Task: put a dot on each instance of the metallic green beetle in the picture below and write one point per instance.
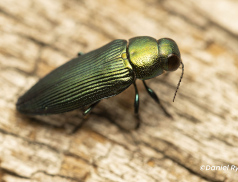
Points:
(102, 73)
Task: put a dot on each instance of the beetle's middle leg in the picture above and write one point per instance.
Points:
(87, 111)
(85, 114)
(80, 53)
(156, 99)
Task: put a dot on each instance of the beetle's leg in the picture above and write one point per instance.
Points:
(80, 53)
(85, 114)
(136, 106)
(156, 98)
(136, 102)
(87, 111)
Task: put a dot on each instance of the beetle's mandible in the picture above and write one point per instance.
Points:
(102, 73)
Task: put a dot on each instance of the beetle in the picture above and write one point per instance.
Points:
(102, 73)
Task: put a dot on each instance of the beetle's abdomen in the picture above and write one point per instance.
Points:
(82, 81)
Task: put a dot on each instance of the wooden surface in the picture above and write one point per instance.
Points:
(38, 36)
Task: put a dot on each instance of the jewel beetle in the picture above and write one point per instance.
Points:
(102, 73)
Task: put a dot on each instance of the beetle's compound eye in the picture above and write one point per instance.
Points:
(173, 62)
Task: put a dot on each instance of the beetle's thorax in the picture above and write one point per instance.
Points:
(144, 57)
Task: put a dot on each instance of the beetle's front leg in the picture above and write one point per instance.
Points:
(136, 106)
(136, 102)
(156, 99)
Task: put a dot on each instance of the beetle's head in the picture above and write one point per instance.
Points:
(170, 57)
(150, 57)
(169, 54)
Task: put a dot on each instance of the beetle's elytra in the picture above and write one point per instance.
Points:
(102, 73)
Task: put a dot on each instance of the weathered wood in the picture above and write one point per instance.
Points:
(38, 36)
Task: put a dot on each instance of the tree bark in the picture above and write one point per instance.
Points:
(202, 137)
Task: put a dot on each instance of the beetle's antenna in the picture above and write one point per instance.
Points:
(179, 81)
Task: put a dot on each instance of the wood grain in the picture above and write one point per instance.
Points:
(38, 36)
